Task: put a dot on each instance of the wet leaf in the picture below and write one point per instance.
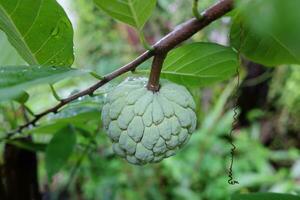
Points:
(41, 33)
(15, 79)
(59, 150)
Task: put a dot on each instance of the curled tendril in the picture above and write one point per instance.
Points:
(231, 179)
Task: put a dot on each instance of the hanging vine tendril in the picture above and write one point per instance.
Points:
(231, 179)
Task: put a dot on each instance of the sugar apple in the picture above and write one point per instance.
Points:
(146, 126)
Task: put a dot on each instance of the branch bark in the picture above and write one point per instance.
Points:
(163, 46)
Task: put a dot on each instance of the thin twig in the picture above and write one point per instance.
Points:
(196, 13)
(174, 38)
(54, 93)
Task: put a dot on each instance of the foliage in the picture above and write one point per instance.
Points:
(9, 56)
(196, 172)
(15, 79)
(274, 38)
(74, 153)
(287, 99)
(215, 64)
(59, 149)
(259, 196)
(111, 49)
(134, 13)
(44, 36)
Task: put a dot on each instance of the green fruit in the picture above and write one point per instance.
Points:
(146, 126)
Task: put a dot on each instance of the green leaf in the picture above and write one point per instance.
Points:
(59, 150)
(274, 38)
(86, 110)
(39, 30)
(82, 114)
(200, 64)
(265, 196)
(10, 56)
(15, 79)
(132, 12)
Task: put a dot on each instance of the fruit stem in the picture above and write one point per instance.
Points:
(153, 83)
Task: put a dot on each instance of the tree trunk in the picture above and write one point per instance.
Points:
(20, 174)
(2, 187)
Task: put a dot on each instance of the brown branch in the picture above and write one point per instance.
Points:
(192, 26)
(177, 36)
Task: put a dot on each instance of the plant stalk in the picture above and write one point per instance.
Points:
(153, 83)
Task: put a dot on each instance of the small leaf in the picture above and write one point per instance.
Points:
(200, 64)
(15, 79)
(132, 12)
(59, 150)
(265, 196)
(39, 30)
(274, 38)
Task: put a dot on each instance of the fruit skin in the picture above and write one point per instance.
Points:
(145, 126)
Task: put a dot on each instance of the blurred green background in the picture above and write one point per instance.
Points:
(268, 154)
